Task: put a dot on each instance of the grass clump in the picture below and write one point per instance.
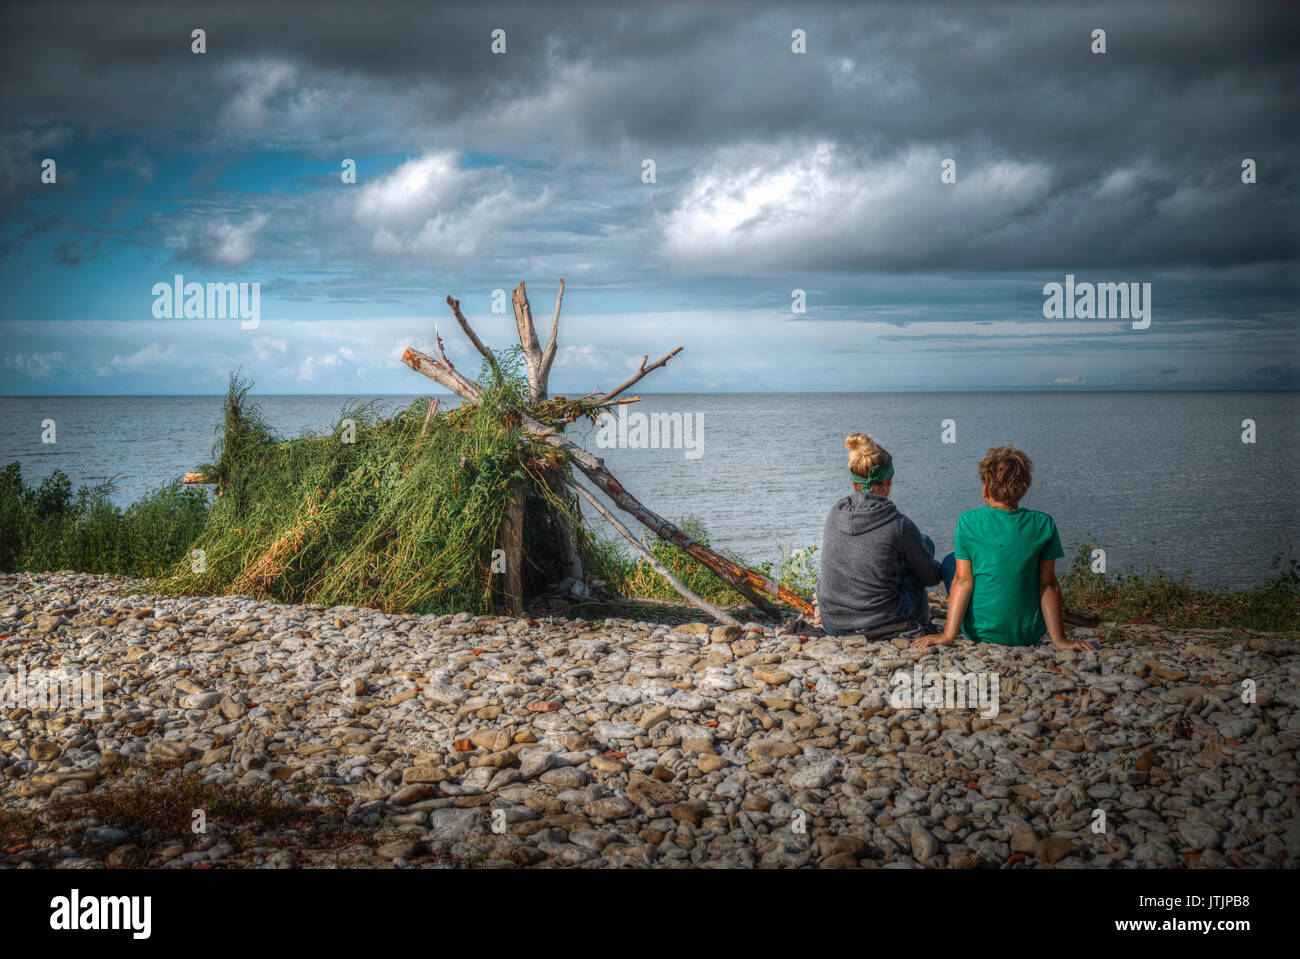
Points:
(373, 512)
(50, 528)
(1154, 596)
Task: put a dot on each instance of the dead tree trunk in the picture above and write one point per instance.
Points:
(512, 542)
(536, 360)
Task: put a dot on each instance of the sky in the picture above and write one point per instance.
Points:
(774, 171)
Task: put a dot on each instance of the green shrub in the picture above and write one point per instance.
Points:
(50, 528)
(385, 512)
(1155, 596)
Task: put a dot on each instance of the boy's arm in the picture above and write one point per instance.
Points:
(1049, 597)
(963, 584)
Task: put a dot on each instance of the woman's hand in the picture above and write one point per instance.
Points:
(934, 639)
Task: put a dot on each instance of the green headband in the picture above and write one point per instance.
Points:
(877, 474)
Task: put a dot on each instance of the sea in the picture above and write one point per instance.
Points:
(1202, 483)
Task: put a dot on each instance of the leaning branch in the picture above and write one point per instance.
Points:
(639, 373)
(442, 372)
(473, 337)
(753, 586)
(724, 618)
(548, 355)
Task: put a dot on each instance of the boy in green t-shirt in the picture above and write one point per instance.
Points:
(1001, 576)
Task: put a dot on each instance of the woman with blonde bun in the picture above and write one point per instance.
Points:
(875, 562)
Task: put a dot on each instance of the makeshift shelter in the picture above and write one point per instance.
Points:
(429, 509)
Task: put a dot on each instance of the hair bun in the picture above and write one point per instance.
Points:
(859, 443)
(864, 454)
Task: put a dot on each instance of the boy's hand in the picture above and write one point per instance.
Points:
(934, 639)
(1073, 644)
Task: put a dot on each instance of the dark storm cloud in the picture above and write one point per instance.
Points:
(1066, 160)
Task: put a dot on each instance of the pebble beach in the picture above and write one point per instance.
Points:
(548, 742)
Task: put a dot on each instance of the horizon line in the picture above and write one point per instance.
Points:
(831, 392)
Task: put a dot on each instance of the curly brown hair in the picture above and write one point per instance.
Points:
(1007, 472)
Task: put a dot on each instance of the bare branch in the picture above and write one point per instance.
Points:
(433, 411)
(473, 337)
(443, 372)
(555, 427)
(442, 351)
(619, 402)
(649, 557)
(548, 356)
(640, 373)
(442, 354)
(524, 321)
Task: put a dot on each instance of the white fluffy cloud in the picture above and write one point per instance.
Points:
(223, 243)
(431, 206)
(791, 207)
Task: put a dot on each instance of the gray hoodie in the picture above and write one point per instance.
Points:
(865, 541)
